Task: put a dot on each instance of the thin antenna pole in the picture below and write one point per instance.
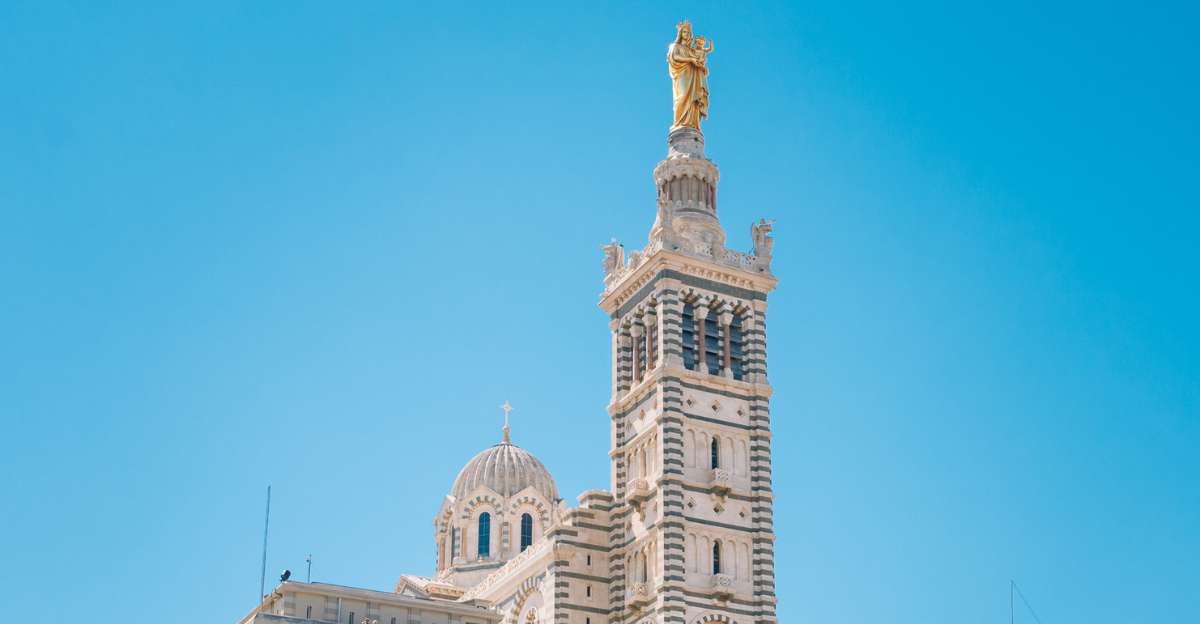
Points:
(1025, 600)
(262, 579)
(1011, 615)
(308, 560)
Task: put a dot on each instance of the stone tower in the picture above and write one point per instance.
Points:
(692, 538)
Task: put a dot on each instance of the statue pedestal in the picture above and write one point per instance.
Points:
(685, 143)
(687, 193)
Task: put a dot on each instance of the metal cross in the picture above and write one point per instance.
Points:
(507, 408)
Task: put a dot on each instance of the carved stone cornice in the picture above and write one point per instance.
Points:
(700, 168)
(663, 259)
(650, 384)
(508, 572)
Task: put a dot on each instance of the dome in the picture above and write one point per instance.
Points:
(507, 469)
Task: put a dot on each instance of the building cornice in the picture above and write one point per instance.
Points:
(638, 393)
(373, 595)
(664, 259)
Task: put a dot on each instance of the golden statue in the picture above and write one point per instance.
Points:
(686, 60)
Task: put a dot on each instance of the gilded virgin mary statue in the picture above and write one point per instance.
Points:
(686, 61)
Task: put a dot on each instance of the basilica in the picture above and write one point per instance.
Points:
(684, 533)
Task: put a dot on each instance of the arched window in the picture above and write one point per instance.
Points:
(526, 531)
(737, 349)
(485, 534)
(716, 557)
(689, 336)
(716, 453)
(453, 544)
(642, 560)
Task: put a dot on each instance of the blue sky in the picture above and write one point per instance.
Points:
(317, 246)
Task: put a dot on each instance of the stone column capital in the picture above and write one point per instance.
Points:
(701, 311)
(726, 319)
(635, 330)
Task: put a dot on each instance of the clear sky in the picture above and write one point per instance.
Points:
(317, 245)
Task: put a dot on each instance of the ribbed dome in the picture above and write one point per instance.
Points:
(507, 469)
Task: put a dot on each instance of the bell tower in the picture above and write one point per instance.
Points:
(692, 537)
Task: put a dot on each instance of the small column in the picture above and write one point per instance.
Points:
(701, 314)
(459, 546)
(651, 323)
(441, 549)
(505, 546)
(635, 331)
(622, 343)
(726, 319)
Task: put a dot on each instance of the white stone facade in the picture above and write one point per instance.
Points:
(518, 495)
(685, 533)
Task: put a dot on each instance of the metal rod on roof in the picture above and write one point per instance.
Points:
(262, 579)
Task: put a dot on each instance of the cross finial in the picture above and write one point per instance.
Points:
(507, 408)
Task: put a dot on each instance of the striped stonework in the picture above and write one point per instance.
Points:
(691, 448)
(656, 407)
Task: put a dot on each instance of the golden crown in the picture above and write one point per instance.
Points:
(684, 25)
